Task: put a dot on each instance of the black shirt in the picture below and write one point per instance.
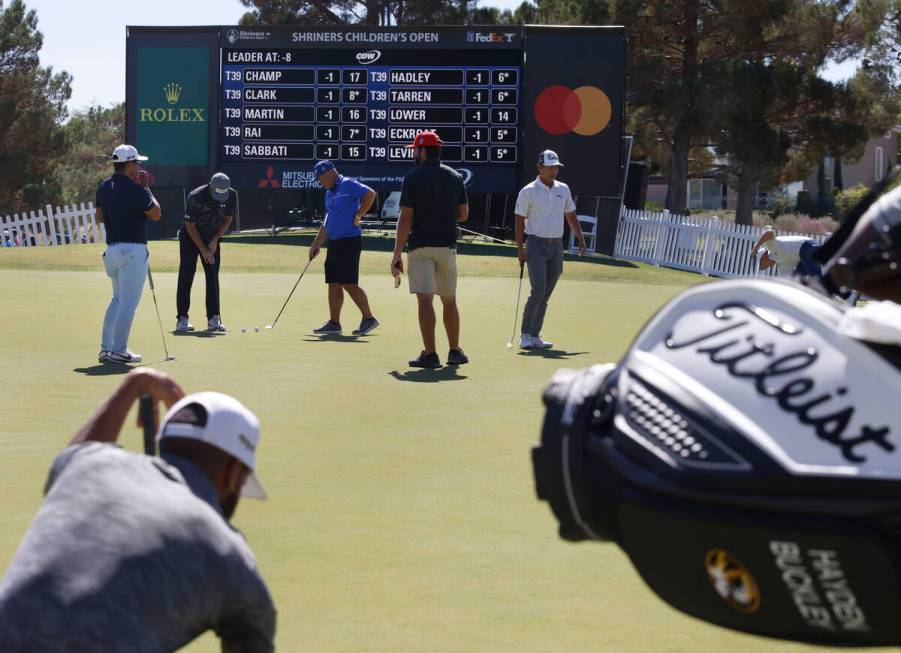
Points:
(434, 191)
(123, 203)
(207, 213)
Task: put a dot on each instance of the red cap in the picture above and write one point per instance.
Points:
(426, 139)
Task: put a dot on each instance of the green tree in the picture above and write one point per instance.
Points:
(687, 55)
(92, 135)
(32, 109)
(363, 12)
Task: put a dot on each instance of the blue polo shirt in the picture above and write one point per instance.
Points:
(123, 203)
(342, 202)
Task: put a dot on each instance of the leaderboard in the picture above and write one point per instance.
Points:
(275, 110)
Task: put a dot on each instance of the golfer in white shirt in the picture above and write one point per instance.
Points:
(540, 209)
(792, 254)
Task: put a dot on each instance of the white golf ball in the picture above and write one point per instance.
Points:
(243, 329)
(257, 329)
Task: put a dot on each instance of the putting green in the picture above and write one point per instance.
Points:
(402, 514)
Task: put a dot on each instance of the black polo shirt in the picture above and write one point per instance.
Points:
(434, 191)
(207, 213)
(123, 203)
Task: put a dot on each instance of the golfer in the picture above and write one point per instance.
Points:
(208, 215)
(540, 210)
(346, 202)
(432, 201)
(124, 204)
(793, 254)
(135, 553)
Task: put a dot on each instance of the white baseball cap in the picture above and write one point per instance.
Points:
(229, 426)
(126, 153)
(549, 158)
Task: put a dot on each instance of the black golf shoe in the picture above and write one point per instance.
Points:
(457, 357)
(429, 361)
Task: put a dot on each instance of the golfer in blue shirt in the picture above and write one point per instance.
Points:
(346, 202)
(124, 204)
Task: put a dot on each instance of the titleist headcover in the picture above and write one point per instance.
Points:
(747, 457)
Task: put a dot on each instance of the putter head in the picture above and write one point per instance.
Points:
(747, 458)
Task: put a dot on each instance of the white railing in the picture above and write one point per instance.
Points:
(60, 226)
(705, 245)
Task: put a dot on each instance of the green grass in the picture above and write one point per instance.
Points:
(402, 514)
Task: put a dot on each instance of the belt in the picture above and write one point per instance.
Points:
(545, 240)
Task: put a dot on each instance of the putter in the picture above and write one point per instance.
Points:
(159, 321)
(272, 326)
(516, 311)
(145, 411)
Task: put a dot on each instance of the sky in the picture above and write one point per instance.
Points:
(86, 38)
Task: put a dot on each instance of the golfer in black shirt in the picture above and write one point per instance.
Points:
(208, 215)
(433, 200)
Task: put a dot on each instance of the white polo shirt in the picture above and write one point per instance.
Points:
(543, 208)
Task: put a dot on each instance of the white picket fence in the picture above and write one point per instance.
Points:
(705, 245)
(63, 225)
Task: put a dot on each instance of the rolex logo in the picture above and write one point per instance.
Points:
(172, 91)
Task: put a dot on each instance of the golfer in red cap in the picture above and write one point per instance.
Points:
(432, 201)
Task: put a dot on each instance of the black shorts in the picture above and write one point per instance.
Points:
(342, 262)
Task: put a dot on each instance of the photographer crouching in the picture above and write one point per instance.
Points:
(134, 552)
(746, 451)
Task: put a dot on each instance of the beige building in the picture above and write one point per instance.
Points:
(710, 194)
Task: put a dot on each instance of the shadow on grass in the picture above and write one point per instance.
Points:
(199, 334)
(383, 244)
(104, 369)
(559, 354)
(336, 338)
(446, 373)
(113, 369)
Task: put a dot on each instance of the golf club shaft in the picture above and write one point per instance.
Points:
(292, 292)
(156, 306)
(145, 410)
(516, 310)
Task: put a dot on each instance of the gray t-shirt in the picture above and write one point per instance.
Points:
(131, 553)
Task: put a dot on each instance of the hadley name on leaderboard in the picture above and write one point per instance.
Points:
(364, 37)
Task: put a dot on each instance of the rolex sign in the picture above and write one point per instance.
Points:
(172, 108)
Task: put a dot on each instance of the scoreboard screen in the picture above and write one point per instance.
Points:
(264, 103)
(359, 98)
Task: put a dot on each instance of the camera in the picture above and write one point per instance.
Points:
(746, 455)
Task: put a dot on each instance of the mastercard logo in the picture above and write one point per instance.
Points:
(585, 111)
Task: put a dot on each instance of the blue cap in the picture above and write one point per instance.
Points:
(322, 167)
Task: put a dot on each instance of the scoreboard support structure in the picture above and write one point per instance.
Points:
(262, 104)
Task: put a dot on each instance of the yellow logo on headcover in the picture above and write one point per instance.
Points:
(172, 91)
(732, 581)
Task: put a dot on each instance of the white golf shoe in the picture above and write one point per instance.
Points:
(124, 357)
(183, 325)
(215, 324)
(525, 341)
(540, 343)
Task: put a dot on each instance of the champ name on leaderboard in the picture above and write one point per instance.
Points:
(358, 114)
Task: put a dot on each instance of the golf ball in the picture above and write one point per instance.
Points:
(243, 329)
(257, 329)
(509, 345)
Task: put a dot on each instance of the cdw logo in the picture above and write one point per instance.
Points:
(368, 57)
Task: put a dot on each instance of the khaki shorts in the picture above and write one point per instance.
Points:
(433, 270)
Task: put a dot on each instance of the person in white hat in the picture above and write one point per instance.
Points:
(209, 210)
(131, 552)
(124, 204)
(540, 210)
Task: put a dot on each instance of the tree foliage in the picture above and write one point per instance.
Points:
(92, 134)
(32, 109)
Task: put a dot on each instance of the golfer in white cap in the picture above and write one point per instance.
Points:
(209, 211)
(124, 204)
(130, 552)
(540, 209)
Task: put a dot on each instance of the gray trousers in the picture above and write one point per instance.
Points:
(545, 263)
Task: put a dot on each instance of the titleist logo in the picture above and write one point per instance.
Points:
(779, 375)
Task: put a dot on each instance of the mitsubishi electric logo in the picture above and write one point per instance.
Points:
(172, 94)
(369, 57)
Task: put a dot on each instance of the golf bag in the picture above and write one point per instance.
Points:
(747, 457)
